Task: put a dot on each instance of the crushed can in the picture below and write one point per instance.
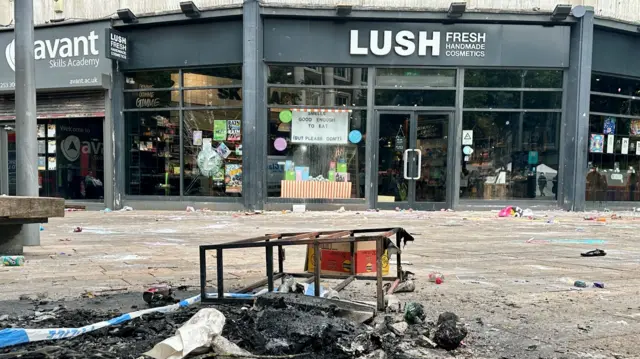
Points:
(157, 293)
(12, 261)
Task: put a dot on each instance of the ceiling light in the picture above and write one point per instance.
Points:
(127, 16)
(189, 9)
(343, 10)
(561, 12)
(456, 9)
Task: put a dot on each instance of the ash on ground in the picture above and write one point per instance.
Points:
(277, 330)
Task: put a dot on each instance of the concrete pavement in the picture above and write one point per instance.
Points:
(511, 278)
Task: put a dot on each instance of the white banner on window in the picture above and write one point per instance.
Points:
(320, 126)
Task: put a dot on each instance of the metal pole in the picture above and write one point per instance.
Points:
(26, 127)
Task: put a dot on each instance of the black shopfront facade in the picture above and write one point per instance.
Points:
(268, 108)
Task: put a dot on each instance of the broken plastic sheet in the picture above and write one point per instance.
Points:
(16, 336)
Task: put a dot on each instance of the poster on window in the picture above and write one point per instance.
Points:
(596, 144)
(625, 146)
(233, 130)
(609, 126)
(320, 127)
(634, 128)
(233, 178)
(219, 130)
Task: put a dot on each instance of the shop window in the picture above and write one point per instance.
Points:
(317, 97)
(608, 104)
(615, 85)
(210, 77)
(614, 159)
(513, 78)
(153, 146)
(513, 99)
(513, 155)
(152, 80)
(319, 76)
(316, 155)
(70, 158)
(415, 98)
(231, 96)
(412, 77)
(213, 152)
(151, 99)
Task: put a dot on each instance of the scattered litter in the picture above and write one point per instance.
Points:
(598, 285)
(510, 211)
(594, 253)
(392, 303)
(41, 228)
(580, 284)
(527, 213)
(4, 317)
(158, 295)
(13, 261)
(106, 210)
(579, 229)
(436, 277)
(449, 333)
(126, 209)
(404, 287)
(198, 332)
(190, 209)
(77, 230)
(299, 208)
(341, 210)
(414, 313)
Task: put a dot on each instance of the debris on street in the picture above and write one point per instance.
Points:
(594, 253)
(12, 261)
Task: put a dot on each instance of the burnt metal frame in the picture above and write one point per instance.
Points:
(383, 241)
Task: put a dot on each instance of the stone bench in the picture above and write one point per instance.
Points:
(18, 211)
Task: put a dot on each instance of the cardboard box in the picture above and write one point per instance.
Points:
(335, 258)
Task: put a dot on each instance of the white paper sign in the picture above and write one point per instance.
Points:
(625, 146)
(638, 148)
(467, 137)
(320, 127)
(610, 140)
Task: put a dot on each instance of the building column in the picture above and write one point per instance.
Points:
(4, 161)
(116, 134)
(254, 121)
(575, 129)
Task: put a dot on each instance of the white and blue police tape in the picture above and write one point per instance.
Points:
(15, 336)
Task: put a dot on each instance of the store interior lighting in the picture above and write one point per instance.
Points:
(127, 16)
(561, 12)
(456, 9)
(189, 9)
(343, 10)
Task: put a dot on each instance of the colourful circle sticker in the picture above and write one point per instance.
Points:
(280, 144)
(285, 116)
(355, 136)
(467, 150)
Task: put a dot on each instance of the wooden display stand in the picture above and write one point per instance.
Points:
(315, 189)
(495, 191)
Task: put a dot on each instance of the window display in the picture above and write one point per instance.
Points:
(211, 135)
(614, 140)
(513, 153)
(316, 153)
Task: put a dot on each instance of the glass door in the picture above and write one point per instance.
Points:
(394, 152)
(432, 150)
(413, 160)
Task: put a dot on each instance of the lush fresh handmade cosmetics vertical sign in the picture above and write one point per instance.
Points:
(117, 46)
(320, 126)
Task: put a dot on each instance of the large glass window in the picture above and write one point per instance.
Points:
(209, 104)
(614, 140)
(511, 127)
(316, 133)
(71, 158)
(415, 87)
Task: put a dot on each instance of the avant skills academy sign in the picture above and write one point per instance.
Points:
(66, 56)
(406, 43)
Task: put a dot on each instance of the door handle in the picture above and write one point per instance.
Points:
(419, 164)
(405, 158)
